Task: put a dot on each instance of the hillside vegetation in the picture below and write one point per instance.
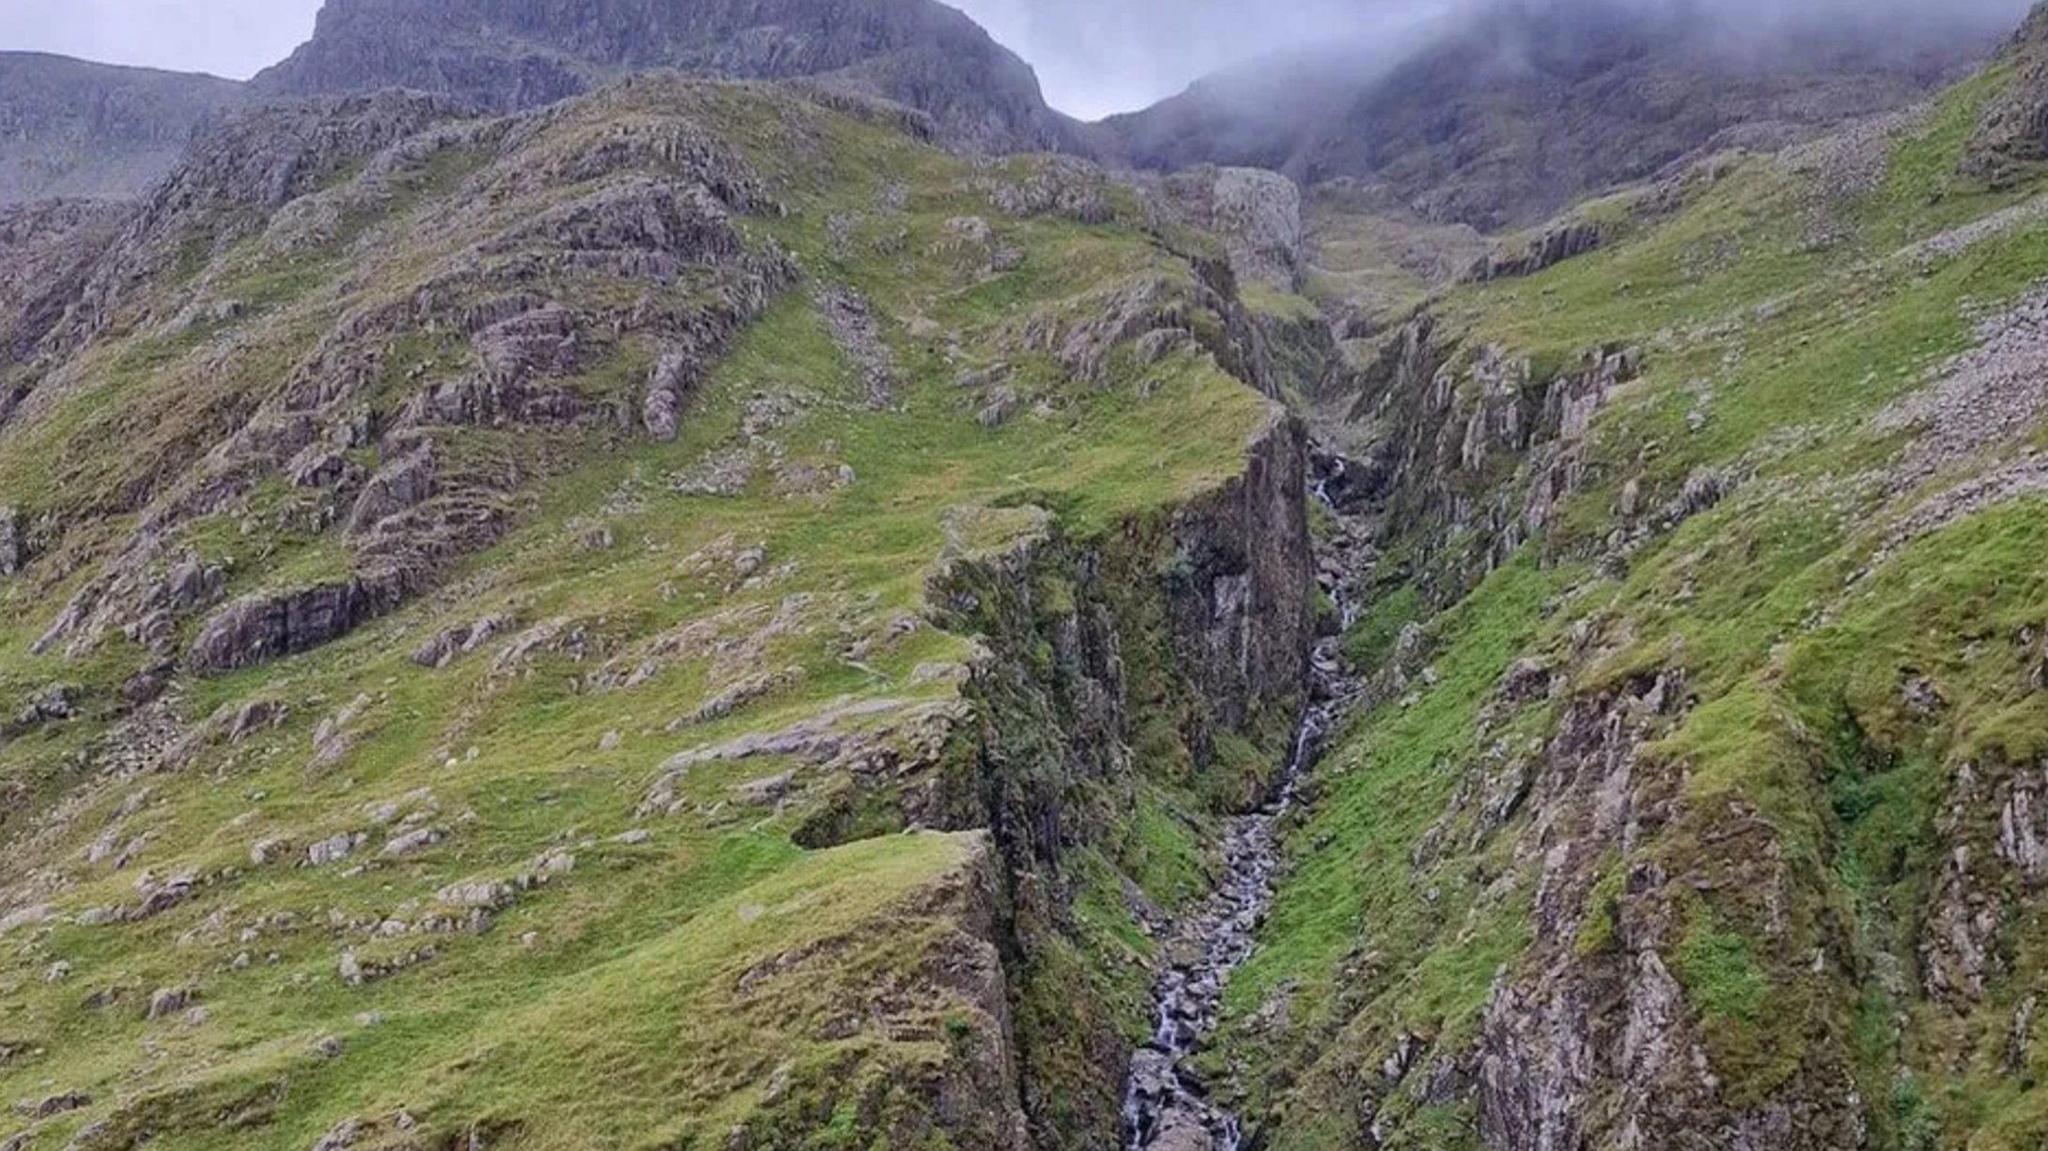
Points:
(509, 625)
(1696, 800)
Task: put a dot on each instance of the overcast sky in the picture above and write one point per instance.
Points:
(1094, 56)
(225, 37)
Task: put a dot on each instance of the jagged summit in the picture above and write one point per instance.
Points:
(510, 54)
(74, 128)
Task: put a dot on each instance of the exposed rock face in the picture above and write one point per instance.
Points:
(2014, 131)
(1472, 442)
(511, 54)
(46, 250)
(1226, 626)
(1597, 1044)
(1503, 117)
(655, 205)
(1258, 215)
(971, 1099)
(69, 128)
(1160, 315)
(1554, 246)
(13, 549)
(267, 627)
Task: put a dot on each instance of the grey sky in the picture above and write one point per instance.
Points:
(225, 37)
(1094, 56)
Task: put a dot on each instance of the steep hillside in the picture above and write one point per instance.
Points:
(686, 618)
(509, 54)
(73, 129)
(1694, 797)
(694, 617)
(1505, 115)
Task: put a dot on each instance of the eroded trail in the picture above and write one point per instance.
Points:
(1168, 1106)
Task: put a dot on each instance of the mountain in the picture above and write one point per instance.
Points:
(71, 128)
(1693, 794)
(1509, 112)
(695, 617)
(538, 629)
(511, 54)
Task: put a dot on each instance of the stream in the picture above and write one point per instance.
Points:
(1168, 1106)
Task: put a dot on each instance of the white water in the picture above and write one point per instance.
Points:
(1166, 1104)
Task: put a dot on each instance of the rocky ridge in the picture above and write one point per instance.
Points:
(506, 54)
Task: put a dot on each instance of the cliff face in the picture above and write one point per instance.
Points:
(1136, 685)
(73, 129)
(2012, 136)
(508, 54)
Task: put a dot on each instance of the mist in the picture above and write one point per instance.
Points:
(1099, 57)
(1094, 57)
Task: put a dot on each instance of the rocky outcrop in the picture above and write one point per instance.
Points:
(1256, 213)
(46, 251)
(1145, 320)
(271, 625)
(509, 55)
(2012, 135)
(229, 185)
(1553, 246)
(1592, 1038)
(1474, 448)
(968, 1099)
(13, 548)
(656, 206)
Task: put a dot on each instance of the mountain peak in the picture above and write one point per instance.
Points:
(514, 54)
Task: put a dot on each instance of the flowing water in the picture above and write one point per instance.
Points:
(1168, 1106)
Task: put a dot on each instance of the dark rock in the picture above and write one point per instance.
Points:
(1513, 112)
(53, 1105)
(271, 625)
(2012, 135)
(918, 53)
(52, 704)
(1554, 246)
(169, 1001)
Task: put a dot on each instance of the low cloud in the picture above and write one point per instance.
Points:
(1095, 57)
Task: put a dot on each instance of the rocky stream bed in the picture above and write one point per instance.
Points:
(1168, 1104)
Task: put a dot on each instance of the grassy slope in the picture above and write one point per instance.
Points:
(601, 1009)
(1789, 347)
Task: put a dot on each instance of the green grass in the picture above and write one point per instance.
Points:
(1768, 346)
(1351, 888)
(606, 1007)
